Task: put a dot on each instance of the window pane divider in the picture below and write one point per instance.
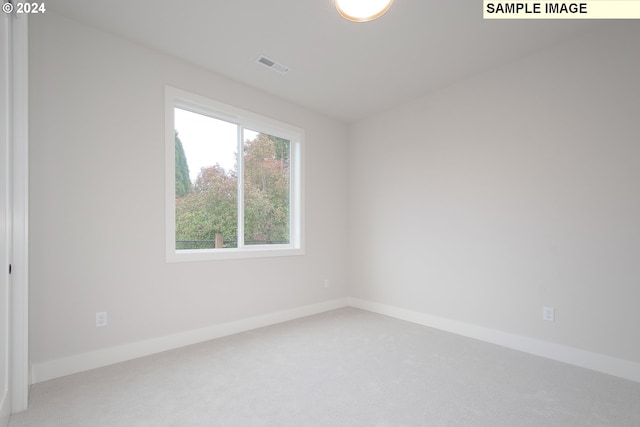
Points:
(240, 168)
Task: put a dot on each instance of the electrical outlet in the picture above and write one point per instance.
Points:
(101, 319)
(327, 284)
(548, 314)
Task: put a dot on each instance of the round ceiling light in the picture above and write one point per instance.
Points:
(362, 10)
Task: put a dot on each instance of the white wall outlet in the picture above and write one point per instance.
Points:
(548, 314)
(327, 283)
(101, 319)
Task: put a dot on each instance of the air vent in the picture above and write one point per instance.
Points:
(282, 69)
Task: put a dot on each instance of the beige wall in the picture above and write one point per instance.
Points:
(513, 190)
(97, 200)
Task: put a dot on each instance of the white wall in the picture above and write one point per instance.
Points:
(97, 201)
(513, 190)
(5, 209)
(479, 203)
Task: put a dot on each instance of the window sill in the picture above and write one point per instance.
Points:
(232, 253)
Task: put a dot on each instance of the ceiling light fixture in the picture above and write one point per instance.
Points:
(362, 10)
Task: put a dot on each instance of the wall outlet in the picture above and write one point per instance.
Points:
(101, 319)
(327, 283)
(548, 314)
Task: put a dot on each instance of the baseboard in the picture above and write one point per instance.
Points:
(573, 356)
(86, 361)
(45, 371)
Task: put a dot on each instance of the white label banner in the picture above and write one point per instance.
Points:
(586, 9)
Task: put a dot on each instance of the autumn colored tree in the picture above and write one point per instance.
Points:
(266, 171)
(212, 206)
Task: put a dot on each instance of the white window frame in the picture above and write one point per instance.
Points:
(245, 120)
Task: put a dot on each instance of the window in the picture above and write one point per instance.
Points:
(233, 182)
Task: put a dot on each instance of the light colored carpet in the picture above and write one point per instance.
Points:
(347, 367)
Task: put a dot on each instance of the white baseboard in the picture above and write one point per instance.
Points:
(86, 361)
(571, 355)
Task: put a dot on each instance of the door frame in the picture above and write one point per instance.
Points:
(5, 205)
(20, 366)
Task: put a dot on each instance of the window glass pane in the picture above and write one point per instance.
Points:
(266, 189)
(206, 181)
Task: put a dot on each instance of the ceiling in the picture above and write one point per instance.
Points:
(342, 69)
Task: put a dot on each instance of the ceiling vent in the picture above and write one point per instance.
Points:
(282, 69)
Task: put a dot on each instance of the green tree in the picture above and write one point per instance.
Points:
(183, 183)
(211, 206)
(266, 166)
(210, 209)
(281, 147)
